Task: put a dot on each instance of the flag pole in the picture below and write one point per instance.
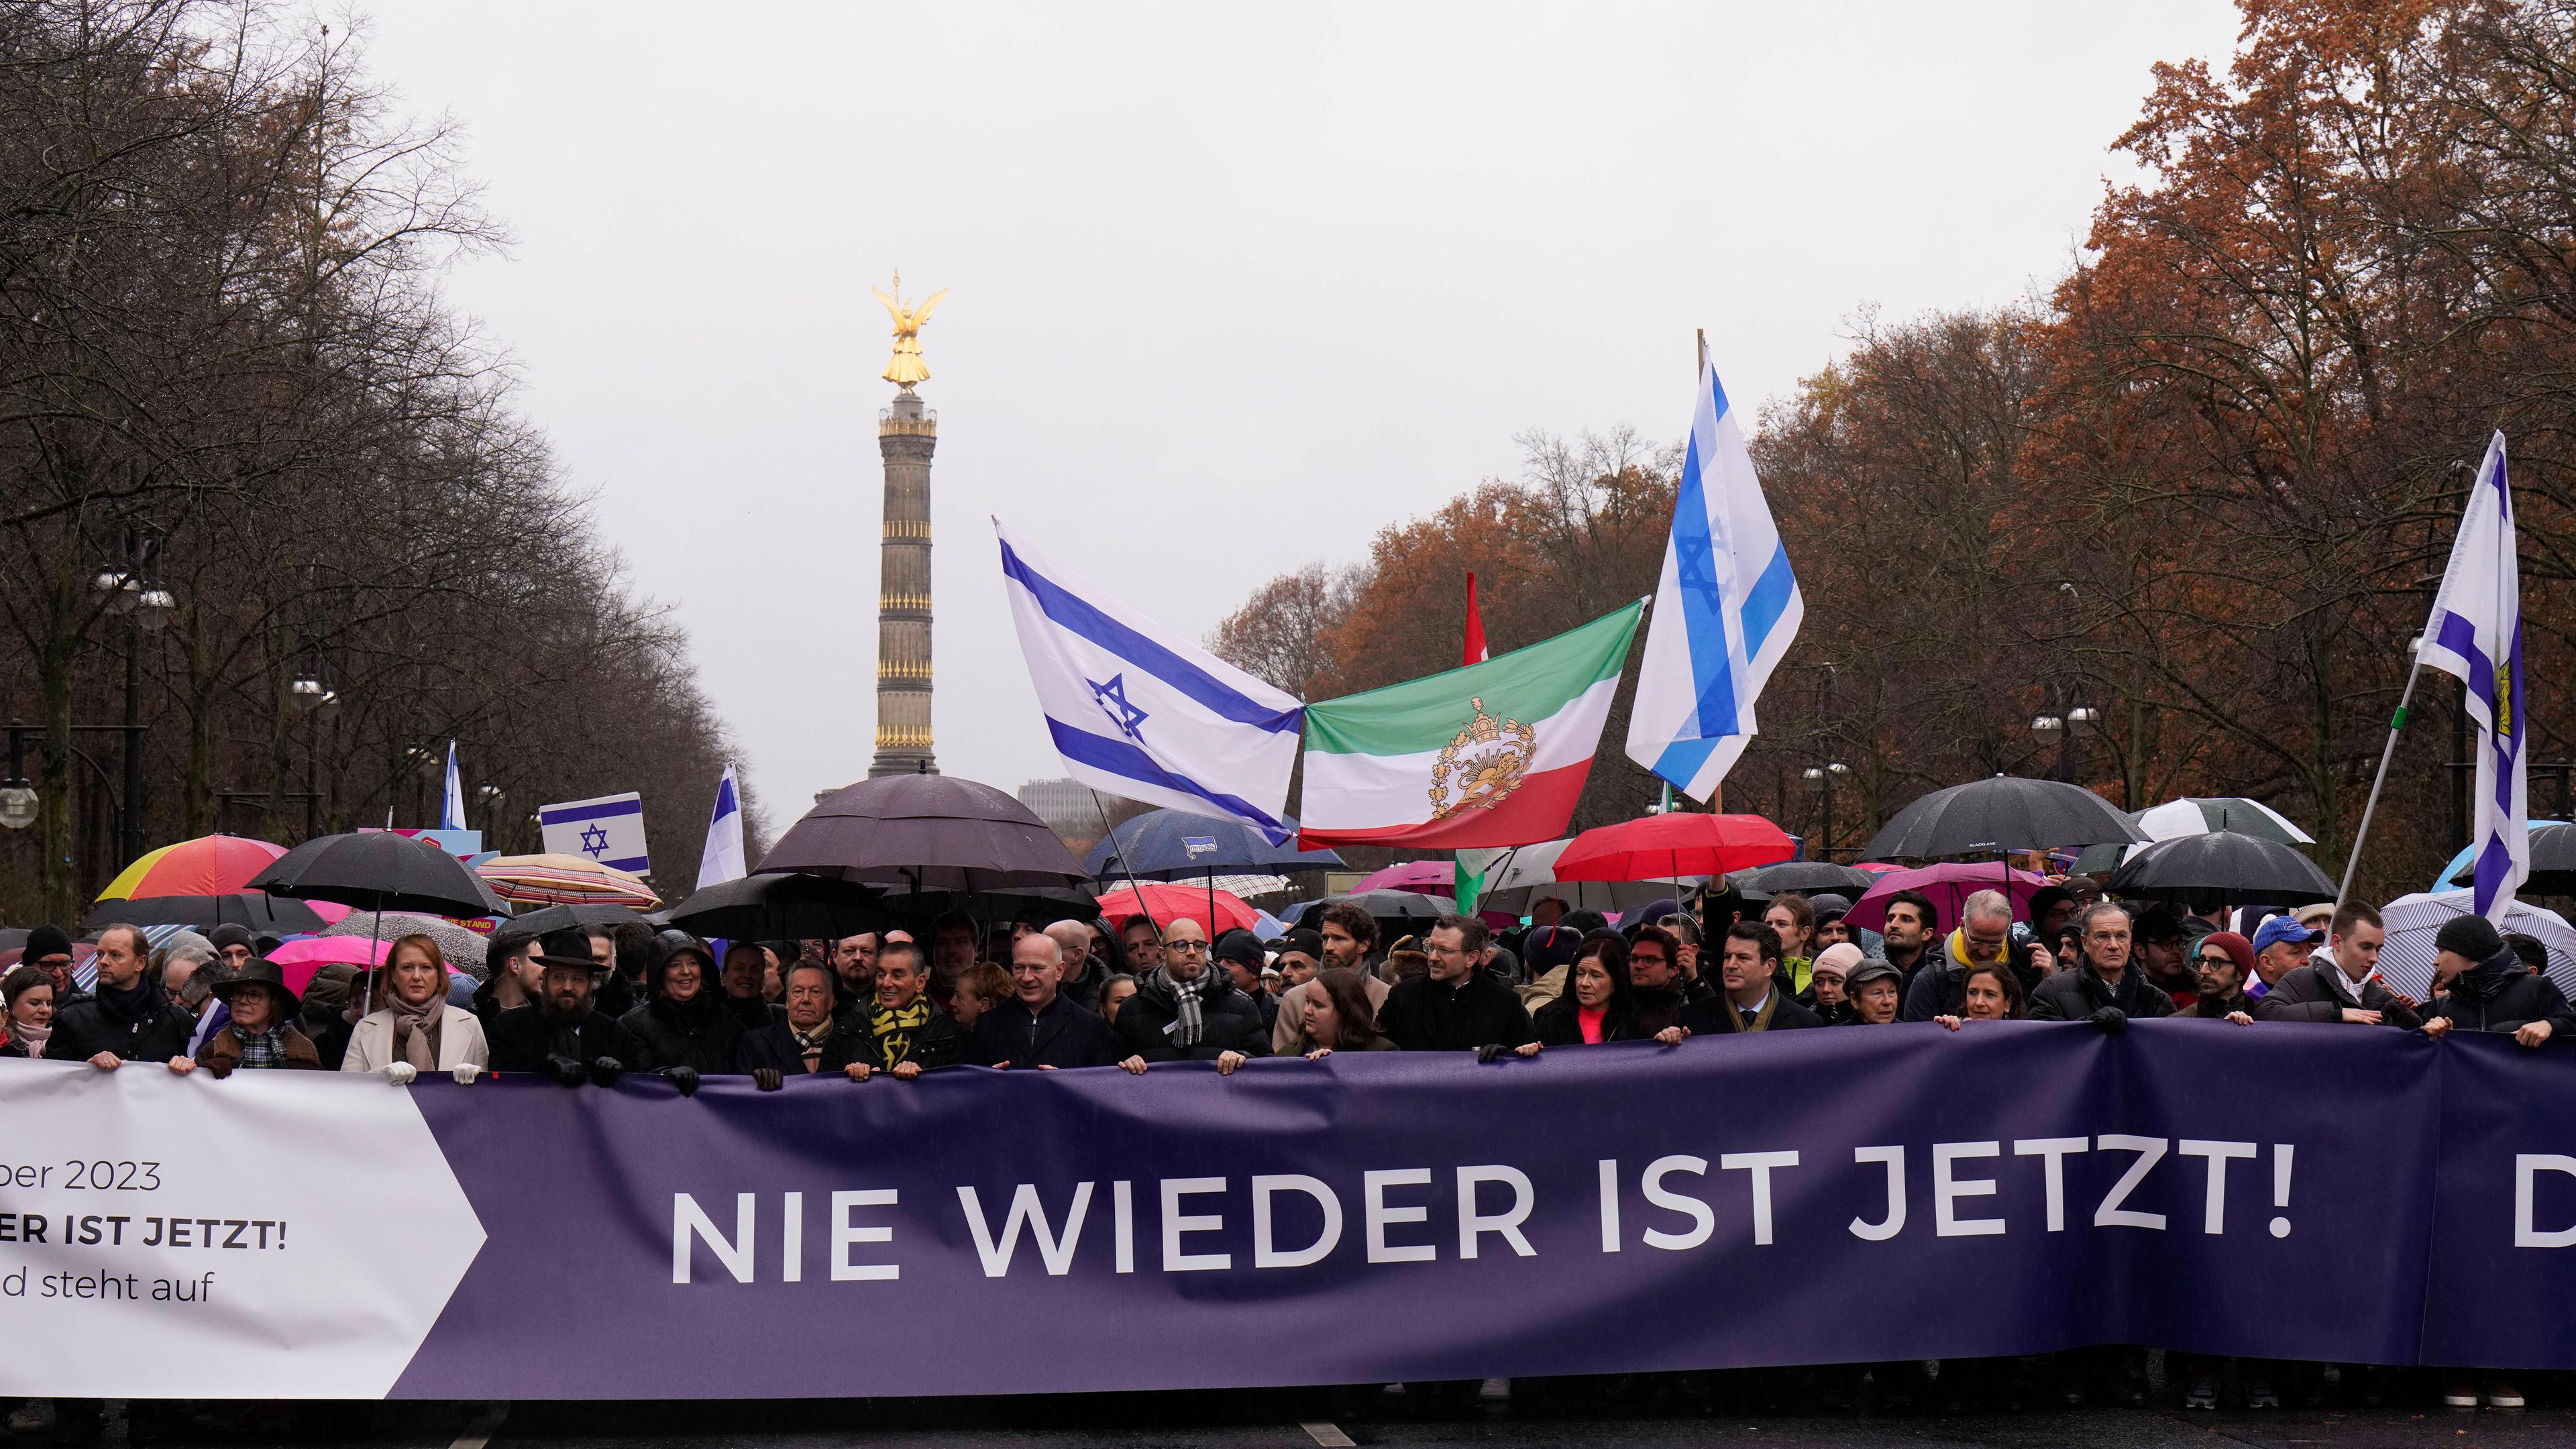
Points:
(2396, 722)
(1118, 853)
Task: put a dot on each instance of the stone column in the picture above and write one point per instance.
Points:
(906, 435)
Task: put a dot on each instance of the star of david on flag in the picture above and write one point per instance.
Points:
(1222, 743)
(609, 829)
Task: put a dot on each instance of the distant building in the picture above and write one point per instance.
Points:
(1074, 811)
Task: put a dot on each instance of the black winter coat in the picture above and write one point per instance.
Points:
(1941, 987)
(1558, 1025)
(938, 1042)
(1719, 1016)
(1229, 1021)
(89, 1026)
(2077, 994)
(2306, 993)
(774, 1046)
(701, 1035)
(2487, 999)
(521, 1040)
(1063, 1035)
(1423, 1015)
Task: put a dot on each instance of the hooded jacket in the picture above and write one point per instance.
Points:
(699, 1033)
(1229, 1021)
(2499, 995)
(2075, 995)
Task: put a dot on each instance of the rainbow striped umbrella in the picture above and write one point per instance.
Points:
(565, 880)
(210, 865)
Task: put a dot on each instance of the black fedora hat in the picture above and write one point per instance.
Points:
(260, 971)
(567, 947)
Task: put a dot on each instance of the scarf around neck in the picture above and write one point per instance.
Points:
(891, 1029)
(1189, 1022)
(31, 1037)
(416, 1029)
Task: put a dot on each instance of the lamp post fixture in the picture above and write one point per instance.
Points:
(17, 793)
(1822, 779)
(146, 608)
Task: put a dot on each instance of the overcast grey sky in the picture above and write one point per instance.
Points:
(1233, 286)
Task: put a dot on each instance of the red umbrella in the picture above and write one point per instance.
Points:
(1168, 901)
(1676, 844)
(1949, 886)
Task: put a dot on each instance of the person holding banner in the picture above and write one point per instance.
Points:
(1340, 1016)
(683, 1025)
(1189, 1010)
(563, 1036)
(417, 1031)
(262, 1030)
(2483, 985)
(126, 1019)
(1751, 997)
(2107, 986)
(2342, 985)
(806, 1043)
(1456, 1005)
(1037, 1027)
(1596, 1007)
(906, 1032)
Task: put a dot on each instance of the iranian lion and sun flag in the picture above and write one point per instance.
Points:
(1492, 753)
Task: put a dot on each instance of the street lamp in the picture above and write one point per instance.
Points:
(1822, 779)
(146, 608)
(307, 694)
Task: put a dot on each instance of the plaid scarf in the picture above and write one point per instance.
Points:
(262, 1048)
(812, 1046)
(892, 1030)
(1188, 1024)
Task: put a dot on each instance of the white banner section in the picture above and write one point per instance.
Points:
(277, 1234)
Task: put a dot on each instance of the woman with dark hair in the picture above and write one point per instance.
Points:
(1990, 993)
(1597, 1005)
(1339, 1017)
(30, 996)
(683, 1021)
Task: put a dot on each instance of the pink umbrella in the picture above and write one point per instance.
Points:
(1947, 885)
(298, 960)
(1422, 877)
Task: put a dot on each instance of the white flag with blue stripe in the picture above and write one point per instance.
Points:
(451, 814)
(723, 859)
(1725, 610)
(608, 829)
(1140, 712)
(2476, 633)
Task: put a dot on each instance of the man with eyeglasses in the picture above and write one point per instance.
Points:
(2222, 963)
(1984, 938)
(1456, 1006)
(1188, 1011)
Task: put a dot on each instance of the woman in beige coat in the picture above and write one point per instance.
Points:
(417, 1031)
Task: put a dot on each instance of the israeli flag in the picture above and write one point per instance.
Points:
(1143, 713)
(723, 860)
(1725, 610)
(451, 814)
(608, 829)
(2476, 633)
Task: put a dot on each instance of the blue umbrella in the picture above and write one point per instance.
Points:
(1171, 845)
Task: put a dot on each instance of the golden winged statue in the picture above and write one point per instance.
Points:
(907, 367)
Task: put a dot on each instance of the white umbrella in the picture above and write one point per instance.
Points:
(2406, 962)
(1527, 874)
(2205, 814)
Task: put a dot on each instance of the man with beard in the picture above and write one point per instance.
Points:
(1188, 1011)
(1655, 980)
(1142, 944)
(952, 947)
(1909, 932)
(562, 1035)
(905, 1033)
(516, 980)
(2223, 961)
(854, 960)
(683, 1026)
(49, 949)
(808, 1043)
(1348, 936)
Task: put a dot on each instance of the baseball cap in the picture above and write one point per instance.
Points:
(2277, 929)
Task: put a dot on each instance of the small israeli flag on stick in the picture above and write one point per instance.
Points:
(723, 860)
(1725, 609)
(451, 814)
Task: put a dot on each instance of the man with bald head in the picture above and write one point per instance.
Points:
(1189, 1009)
(1077, 982)
(1037, 1027)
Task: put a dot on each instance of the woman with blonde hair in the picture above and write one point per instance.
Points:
(417, 1031)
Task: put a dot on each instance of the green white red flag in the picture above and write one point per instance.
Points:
(1489, 754)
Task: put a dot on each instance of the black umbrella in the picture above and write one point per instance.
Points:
(1986, 817)
(2240, 868)
(2553, 863)
(925, 833)
(1806, 877)
(574, 917)
(782, 907)
(1388, 908)
(1175, 845)
(381, 871)
(283, 915)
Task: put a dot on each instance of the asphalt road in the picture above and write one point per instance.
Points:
(1307, 1419)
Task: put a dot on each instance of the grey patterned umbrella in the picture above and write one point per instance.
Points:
(463, 949)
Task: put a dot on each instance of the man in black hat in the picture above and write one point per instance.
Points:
(127, 1020)
(49, 949)
(262, 1030)
(1240, 953)
(562, 1034)
(2487, 987)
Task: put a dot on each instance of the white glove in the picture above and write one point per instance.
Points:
(466, 1072)
(401, 1073)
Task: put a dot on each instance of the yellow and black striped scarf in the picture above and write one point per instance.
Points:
(892, 1029)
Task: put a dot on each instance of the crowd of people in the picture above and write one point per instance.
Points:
(589, 1005)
